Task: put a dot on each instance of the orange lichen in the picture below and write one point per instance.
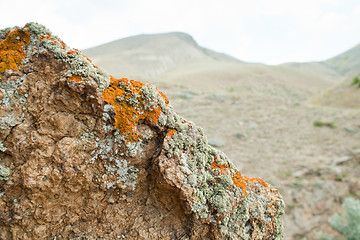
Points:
(238, 179)
(12, 49)
(171, 133)
(164, 97)
(221, 167)
(75, 78)
(72, 51)
(130, 108)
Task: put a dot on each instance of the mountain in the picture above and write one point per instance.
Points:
(340, 67)
(343, 95)
(175, 58)
(347, 63)
(320, 69)
(149, 55)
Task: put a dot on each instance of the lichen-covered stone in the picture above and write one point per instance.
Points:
(86, 156)
(4, 173)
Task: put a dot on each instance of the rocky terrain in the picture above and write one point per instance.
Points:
(263, 118)
(84, 155)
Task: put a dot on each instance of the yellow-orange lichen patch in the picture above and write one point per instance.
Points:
(221, 167)
(12, 49)
(171, 133)
(163, 96)
(238, 179)
(72, 51)
(75, 78)
(130, 107)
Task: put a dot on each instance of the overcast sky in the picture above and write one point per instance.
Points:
(267, 31)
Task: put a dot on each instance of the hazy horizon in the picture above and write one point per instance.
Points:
(271, 32)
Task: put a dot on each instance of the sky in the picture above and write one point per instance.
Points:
(266, 31)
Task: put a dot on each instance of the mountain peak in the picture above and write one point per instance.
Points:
(154, 54)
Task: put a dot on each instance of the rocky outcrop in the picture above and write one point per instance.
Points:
(86, 156)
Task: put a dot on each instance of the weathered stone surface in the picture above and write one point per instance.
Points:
(87, 156)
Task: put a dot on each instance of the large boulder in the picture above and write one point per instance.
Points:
(86, 156)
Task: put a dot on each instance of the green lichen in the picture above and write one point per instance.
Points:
(79, 65)
(126, 175)
(3, 33)
(10, 99)
(278, 219)
(216, 193)
(118, 171)
(149, 92)
(133, 148)
(38, 29)
(167, 117)
(2, 147)
(4, 173)
(209, 190)
(59, 51)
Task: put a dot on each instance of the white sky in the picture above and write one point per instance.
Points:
(268, 31)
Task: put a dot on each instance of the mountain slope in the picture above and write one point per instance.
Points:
(175, 58)
(319, 69)
(340, 67)
(151, 54)
(343, 95)
(347, 63)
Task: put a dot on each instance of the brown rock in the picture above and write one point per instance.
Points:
(87, 156)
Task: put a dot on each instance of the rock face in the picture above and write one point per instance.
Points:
(86, 156)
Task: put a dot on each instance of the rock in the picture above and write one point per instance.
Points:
(240, 135)
(350, 130)
(253, 126)
(217, 97)
(341, 160)
(215, 142)
(88, 156)
(187, 94)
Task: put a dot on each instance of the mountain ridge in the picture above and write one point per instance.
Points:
(176, 58)
(338, 67)
(346, 63)
(152, 54)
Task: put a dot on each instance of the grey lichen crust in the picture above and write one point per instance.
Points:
(4, 173)
(38, 29)
(3, 33)
(11, 98)
(218, 201)
(2, 147)
(79, 65)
